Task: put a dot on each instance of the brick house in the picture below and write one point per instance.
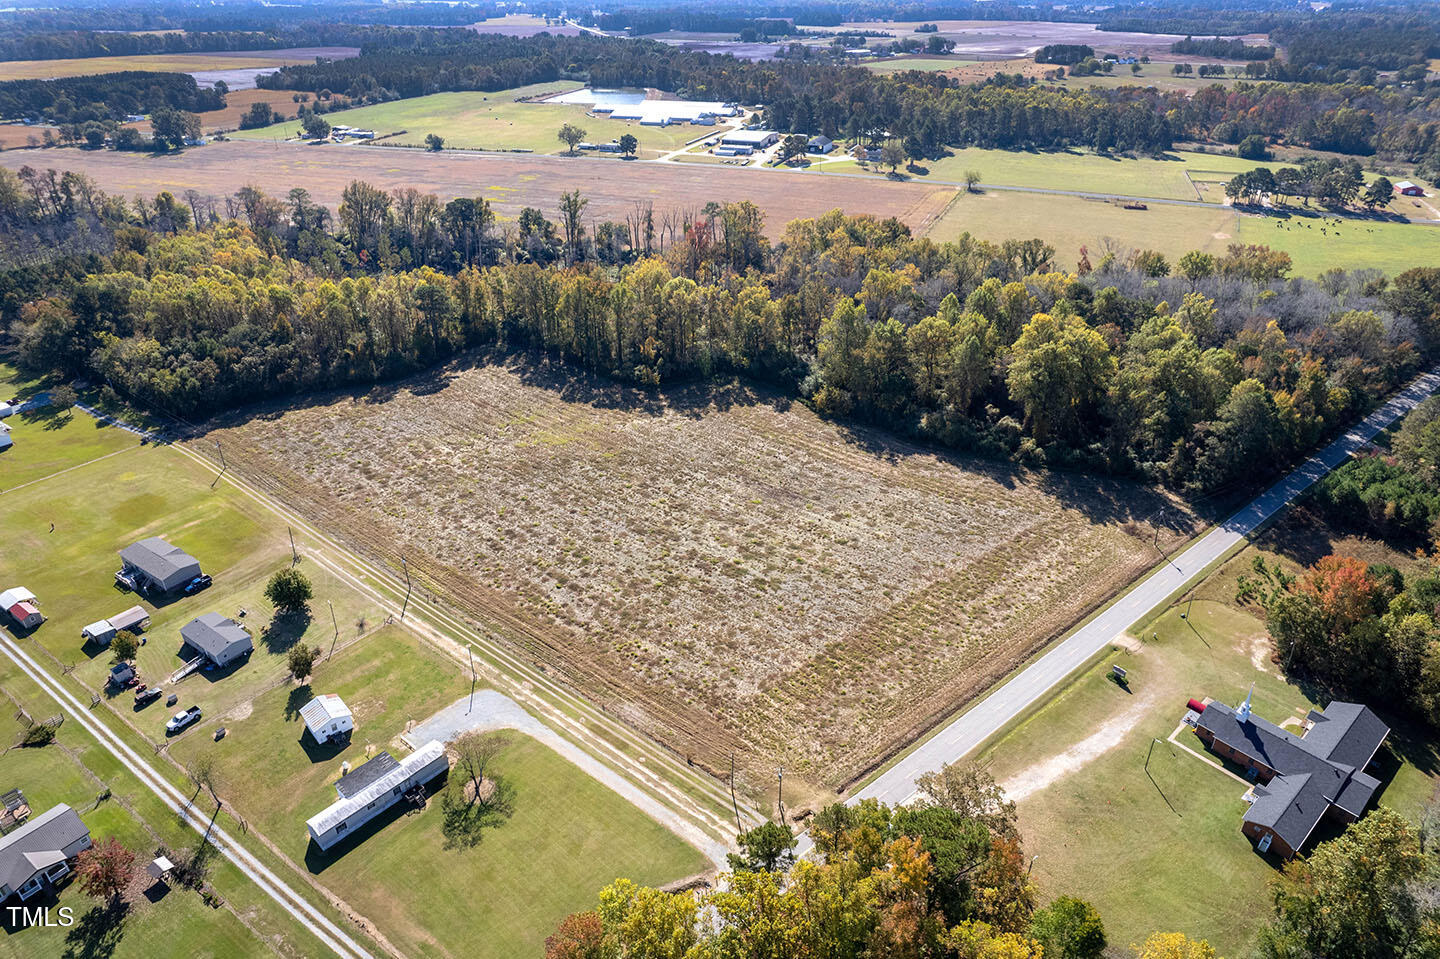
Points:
(1301, 780)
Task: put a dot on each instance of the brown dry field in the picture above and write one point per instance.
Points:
(721, 568)
(509, 182)
(238, 102)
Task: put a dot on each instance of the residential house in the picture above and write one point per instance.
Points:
(218, 638)
(153, 565)
(39, 853)
(379, 789)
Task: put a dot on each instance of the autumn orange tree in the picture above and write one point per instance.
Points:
(105, 870)
(1343, 588)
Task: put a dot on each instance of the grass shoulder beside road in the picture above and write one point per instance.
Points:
(77, 771)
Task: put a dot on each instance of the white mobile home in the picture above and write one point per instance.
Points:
(355, 808)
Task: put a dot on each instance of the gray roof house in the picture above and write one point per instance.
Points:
(154, 564)
(38, 854)
(218, 638)
(1300, 779)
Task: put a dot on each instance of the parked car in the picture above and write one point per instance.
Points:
(197, 584)
(182, 719)
(147, 694)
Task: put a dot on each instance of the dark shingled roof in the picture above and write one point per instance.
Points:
(362, 776)
(1322, 768)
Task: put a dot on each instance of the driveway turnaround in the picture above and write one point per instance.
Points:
(487, 709)
(987, 717)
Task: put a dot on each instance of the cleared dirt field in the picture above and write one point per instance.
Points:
(509, 182)
(722, 569)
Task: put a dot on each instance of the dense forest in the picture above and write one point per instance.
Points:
(91, 43)
(105, 96)
(1198, 374)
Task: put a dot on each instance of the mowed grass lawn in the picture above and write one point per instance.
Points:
(1067, 223)
(108, 504)
(569, 835)
(1079, 170)
(492, 121)
(1164, 851)
(177, 924)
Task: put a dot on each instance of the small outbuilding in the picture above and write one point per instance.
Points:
(218, 638)
(819, 145)
(133, 620)
(6, 409)
(22, 608)
(327, 718)
(99, 633)
(153, 565)
(1406, 188)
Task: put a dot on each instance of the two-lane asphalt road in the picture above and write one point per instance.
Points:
(987, 717)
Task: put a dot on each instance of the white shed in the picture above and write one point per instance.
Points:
(327, 717)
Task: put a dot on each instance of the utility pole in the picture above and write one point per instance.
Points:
(471, 651)
(780, 793)
(733, 802)
(406, 604)
(223, 467)
(294, 553)
(1147, 755)
(336, 624)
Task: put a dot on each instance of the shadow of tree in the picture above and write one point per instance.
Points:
(97, 933)
(285, 630)
(467, 818)
(298, 697)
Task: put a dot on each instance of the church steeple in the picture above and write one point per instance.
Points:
(1243, 713)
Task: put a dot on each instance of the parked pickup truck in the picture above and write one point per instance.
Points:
(147, 694)
(182, 719)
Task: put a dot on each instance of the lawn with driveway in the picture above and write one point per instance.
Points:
(1147, 832)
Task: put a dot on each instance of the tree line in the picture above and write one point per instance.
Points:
(106, 96)
(947, 877)
(1203, 373)
(928, 112)
(1222, 48)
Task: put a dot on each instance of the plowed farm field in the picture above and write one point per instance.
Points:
(722, 568)
(509, 182)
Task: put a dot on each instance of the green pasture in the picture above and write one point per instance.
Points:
(491, 121)
(1067, 223)
(924, 64)
(1169, 177)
